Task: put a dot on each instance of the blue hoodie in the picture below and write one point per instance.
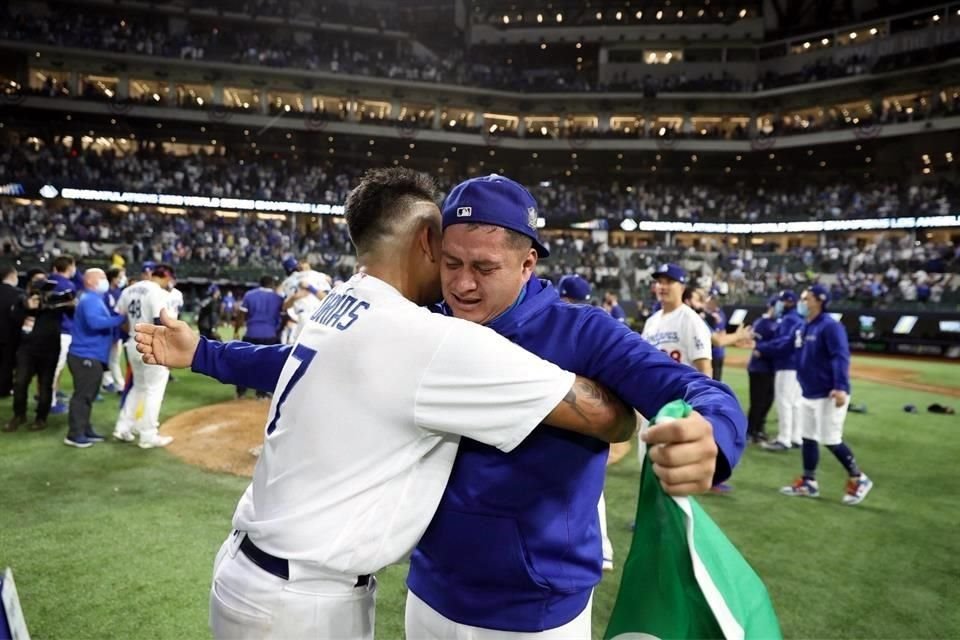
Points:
(64, 284)
(824, 360)
(526, 522)
(782, 348)
(93, 328)
(764, 329)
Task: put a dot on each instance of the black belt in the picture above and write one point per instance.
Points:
(277, 566)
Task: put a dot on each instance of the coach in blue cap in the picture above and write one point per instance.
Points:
(574, 289)
(782, 351)
(760, 373)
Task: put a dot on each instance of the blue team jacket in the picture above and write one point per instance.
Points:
(764, 329)
(63, 284)
(515, 543)
(782, 348)
(263, 308)
(824, 361)
(93, 328)
(527, 520)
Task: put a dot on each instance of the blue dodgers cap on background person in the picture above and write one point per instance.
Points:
(575, 288)
(821, 293)
(788, 295)
(289, 264)
(772, 301)
(212, 289)
(148, 265)
(497, 201)
(672, 271)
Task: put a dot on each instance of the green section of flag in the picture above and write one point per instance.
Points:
(672, 589)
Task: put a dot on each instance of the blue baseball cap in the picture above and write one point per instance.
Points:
(788, 295)
(497, 201)
(212, 289)
(821, 293)
(148, 265)
(575, 288)
(772, 301)
(672, 271)
(289, 264)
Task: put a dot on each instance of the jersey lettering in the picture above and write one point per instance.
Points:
(336, 307)
(305, 356)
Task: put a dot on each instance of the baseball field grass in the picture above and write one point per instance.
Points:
(118, 542)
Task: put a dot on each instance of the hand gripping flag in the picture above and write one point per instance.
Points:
(683, 578)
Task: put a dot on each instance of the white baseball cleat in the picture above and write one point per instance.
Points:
(156, 442)
(124, 436)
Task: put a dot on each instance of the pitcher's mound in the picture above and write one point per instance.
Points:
(220, 437)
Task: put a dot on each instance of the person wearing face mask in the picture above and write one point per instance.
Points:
(782, 350)
(760, 372)
(93, 331)
(113, 377)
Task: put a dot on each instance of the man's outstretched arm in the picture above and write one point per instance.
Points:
(174, 344)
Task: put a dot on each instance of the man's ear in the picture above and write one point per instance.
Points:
(428, 241)
(530, 261)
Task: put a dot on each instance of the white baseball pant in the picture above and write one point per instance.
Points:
(65, 341)
(606, 545)
(822, 420)
(423, 622)
(114, 374)
(787, 396)
(247, 602)
(141, 408)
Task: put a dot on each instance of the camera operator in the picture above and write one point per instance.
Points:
(10, 299)
(39, 317)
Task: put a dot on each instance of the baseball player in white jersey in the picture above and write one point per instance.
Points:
(676, 329)
(300, 280)
(364, 425)
(140, 410)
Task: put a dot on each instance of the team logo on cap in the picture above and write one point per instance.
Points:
(532, 217)
(663, 269)
(464, 212)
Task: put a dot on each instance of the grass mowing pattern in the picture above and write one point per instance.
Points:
(118, 542)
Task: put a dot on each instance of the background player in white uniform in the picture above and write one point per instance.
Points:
(676, 329)
(140, 413)
(301, 278)
(361, 439)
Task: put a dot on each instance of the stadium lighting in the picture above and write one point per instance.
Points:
(680, 13)
(936, 17)
(662, 132)
(579, 45)
(873, 31)
(806, 45)
(700, 13)
(506, 19)
(639, 15)
(539, 18)
(453, 123)
(743, 13)
(619, 15)
(825, 41)
(599, 15)
(659, 15)
(543, 131)
(286, 108)
(543, 46)
(559, 17)
(200, 101)
(853, 35)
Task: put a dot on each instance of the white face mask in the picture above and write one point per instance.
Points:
(102, 286)
(122, 282)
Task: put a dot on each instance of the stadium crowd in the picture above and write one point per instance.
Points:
(370, 55)
(149, 168)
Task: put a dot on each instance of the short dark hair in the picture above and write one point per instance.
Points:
(113, 272)
(381, 195)
(267, 281)
(62, 263)
(163, 270)
(6, 270)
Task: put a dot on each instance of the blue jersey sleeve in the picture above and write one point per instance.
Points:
(241, 363)
(648, 379)
(96, 314)
(839, 349)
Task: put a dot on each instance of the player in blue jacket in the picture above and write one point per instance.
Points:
(782, 350)
(824, 374)
(760, 373)
(514, 546)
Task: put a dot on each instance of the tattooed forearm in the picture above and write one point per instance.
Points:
(600, 412)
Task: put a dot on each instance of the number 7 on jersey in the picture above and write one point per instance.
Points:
(305, 356)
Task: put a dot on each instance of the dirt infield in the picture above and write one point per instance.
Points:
(219, 437)
(861, 369)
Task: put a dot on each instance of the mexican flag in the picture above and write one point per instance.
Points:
(683, 578)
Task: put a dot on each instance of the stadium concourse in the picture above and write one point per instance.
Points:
(747, 148)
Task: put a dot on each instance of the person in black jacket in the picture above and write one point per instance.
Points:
(39, 317)
(208, 314)
(10, 297)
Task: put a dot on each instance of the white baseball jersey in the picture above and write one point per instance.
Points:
(175, 302)
(366, 420)
(319, 281)
(681, 334)
(300, 312)
(142, 301)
